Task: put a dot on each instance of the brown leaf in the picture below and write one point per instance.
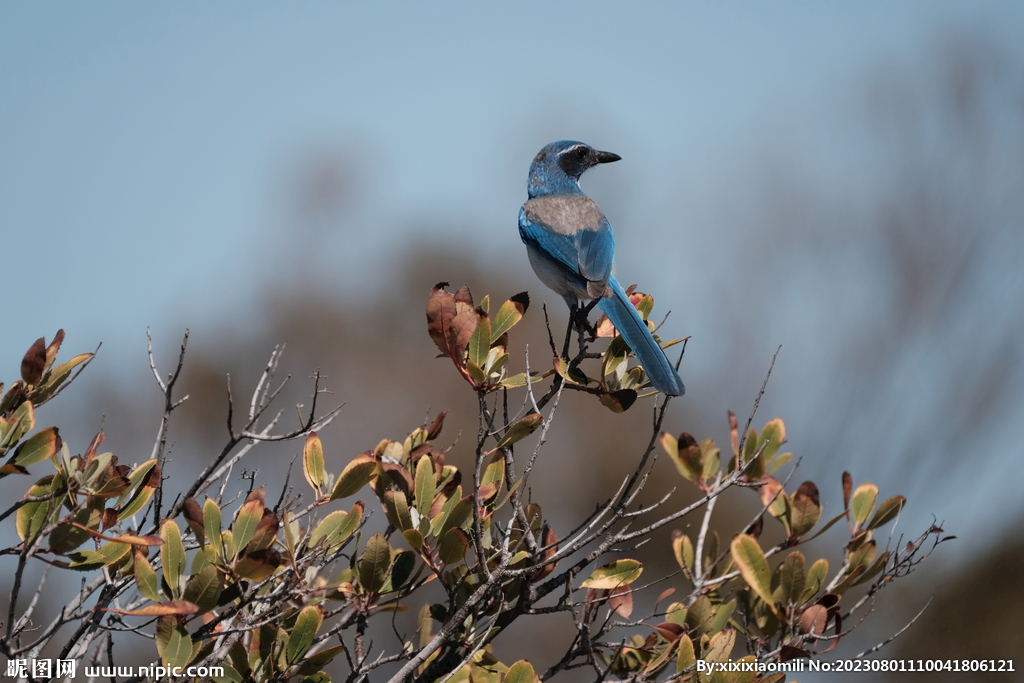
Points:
(769, 490)
(756, 528)
(621, 600)
(789, 652)
(94, 446)
(108, 518)
(259, 493)
(34, 362)
(808, 490)
(847, 489)
(734, 433)
(259, 564)
(434, 429)
(549, 539)
(670, 631)
(400, 477)
(51, 350)
(664, 594)
(814, 619)
(463, 295)
(618, 401)
(440, 312)
(194, 518)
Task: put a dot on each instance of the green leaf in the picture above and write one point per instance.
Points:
(145, 578)
(204, 588)
(519, 380)
(374, 563)
(66, 536)
(815, 579)
(862, 502)
(510, 313)
(91, 560)
(686, 657)
(480, 342)
(792, 577)
(307, 623)
(42, 445)
(31, 518)
(402, 564)
(615, 574)
(414, 538)
(682, 547)
(461, 513)
(18, 425)
(397, 508)
(328, 528)
(172, 642)
(748, 556)
(310, 665)
(426, 482)
(887, 511)
(249, 516)
(356, 474)
(721, 646)
(772, 436)
(700, 615)
(520, 430)
(722, 615)
(453, 546)
(313, 462)
(55, 378)
(520, 672)
(172, 555)
(212, 523)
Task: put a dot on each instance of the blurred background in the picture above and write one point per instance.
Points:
(845, 180)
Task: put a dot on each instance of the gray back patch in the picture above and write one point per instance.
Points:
(565, 214)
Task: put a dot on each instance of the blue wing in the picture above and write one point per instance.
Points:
(586, 254)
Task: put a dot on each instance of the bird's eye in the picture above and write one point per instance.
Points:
(581, 152)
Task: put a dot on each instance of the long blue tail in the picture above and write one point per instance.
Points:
(634, 331)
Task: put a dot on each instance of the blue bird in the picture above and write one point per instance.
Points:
(572, 248)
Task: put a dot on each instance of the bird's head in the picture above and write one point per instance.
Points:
(558, 166)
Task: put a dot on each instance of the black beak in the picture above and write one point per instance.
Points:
(605, 157)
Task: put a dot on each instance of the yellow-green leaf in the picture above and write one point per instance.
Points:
(374, 563)
(307, 623)
(615, 574)
(313, 462)
(521, 429)
(887, 511)
(749, 557)
(172, 642)
(520, 672)
(42, 445)
(355, 475)
(425, 485)
(212, 523)
(862, 502)
(172, 555)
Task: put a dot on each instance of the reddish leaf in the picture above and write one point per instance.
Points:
(551, 543)
(814, 618)
(182, 607)
(670, 631)
(621, 600)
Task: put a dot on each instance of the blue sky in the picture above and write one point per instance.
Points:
(145, 149)
(141, 144)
